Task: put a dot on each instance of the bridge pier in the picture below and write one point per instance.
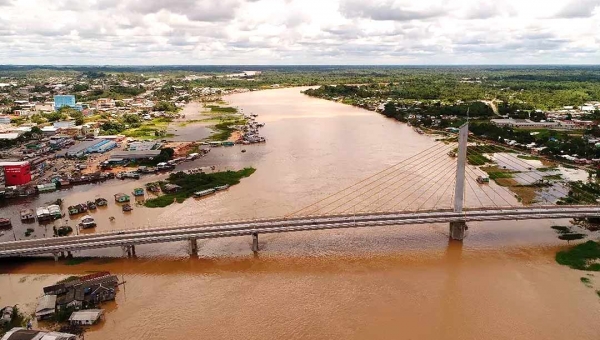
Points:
(255, 242)
(457, 230)
(133, 251)
(193, 247)
(55, 257)
(69, 255)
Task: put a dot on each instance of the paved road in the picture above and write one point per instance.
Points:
(280, 225)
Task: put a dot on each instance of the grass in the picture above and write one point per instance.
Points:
(598, 293)
(477, 159)
(584, 256)
(556, 177)
(18, 320)
(28, 232)
(586, 281)
(70, 278)
(222, 109)
(191, 183)
(149, 130)
(225, 129)
(529, 158)
(77, 260)
(546, 169)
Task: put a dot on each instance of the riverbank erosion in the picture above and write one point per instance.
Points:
(366, 283)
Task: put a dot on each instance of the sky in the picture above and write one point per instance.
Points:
(299, 32)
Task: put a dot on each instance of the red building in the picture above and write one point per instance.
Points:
(16, 173)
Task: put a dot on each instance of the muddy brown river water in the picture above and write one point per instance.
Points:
(404, 282)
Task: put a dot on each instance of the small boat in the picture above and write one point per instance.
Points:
(27, 215)
(127, 207)
(86, 222)
(138, 192)
(77, 209)
(101, 202)
(121, 197)
(243, 150)
(43, 214)
(483, 180)
(91, 205)
(55, 212)
(222, 187)
(204, 193)
(5, 223)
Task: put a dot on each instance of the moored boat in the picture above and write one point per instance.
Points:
(91, 205)
(55, 212)
(101, 202)
(127, 207)
(5, 223)
(138, 192)
(222, 187)
(43, 214)
(86, 222)
(204, 193)
(27, 215)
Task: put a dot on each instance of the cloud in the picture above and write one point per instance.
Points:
(205, 10)
(387, 10)
(578, 9)
(299, 31)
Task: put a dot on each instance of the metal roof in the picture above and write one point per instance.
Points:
(87, 315)
(46, 302)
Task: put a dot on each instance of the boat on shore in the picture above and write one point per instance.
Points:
(222, 187)
(203, 193)
(5, 223)
(27, 215)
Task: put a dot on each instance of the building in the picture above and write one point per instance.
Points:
(88, 146)
(134, 155)
(64, 100)
(4, 120)
(10, 136)
(529, 124)
(46, 307)
(30, 334)
(64, 124)
(143, 146)
(86, 317)
(16, 173)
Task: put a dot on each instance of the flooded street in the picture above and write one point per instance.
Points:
(372, 283)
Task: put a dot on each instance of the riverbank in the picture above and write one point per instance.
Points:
(411, 281)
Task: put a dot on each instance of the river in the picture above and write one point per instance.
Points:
(379, 283)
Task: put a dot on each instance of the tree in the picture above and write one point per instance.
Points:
(389, 109)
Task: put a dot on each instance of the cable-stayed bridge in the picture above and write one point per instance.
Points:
(437, 185)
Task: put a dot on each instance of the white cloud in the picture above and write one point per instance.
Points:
(299, 31)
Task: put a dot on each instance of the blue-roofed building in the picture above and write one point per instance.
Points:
(65, 100)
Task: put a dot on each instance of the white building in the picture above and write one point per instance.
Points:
(24, 334)
(86, 317)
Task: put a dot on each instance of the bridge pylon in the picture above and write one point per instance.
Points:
(457, 228)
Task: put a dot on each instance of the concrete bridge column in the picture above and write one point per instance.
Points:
(193, 246)
(457, 230)
(69, 255)
(133, 251)
(255, 242)
(55, 257)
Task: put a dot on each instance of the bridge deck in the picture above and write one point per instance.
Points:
(280, 225)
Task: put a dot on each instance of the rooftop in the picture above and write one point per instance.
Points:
(87, 315)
